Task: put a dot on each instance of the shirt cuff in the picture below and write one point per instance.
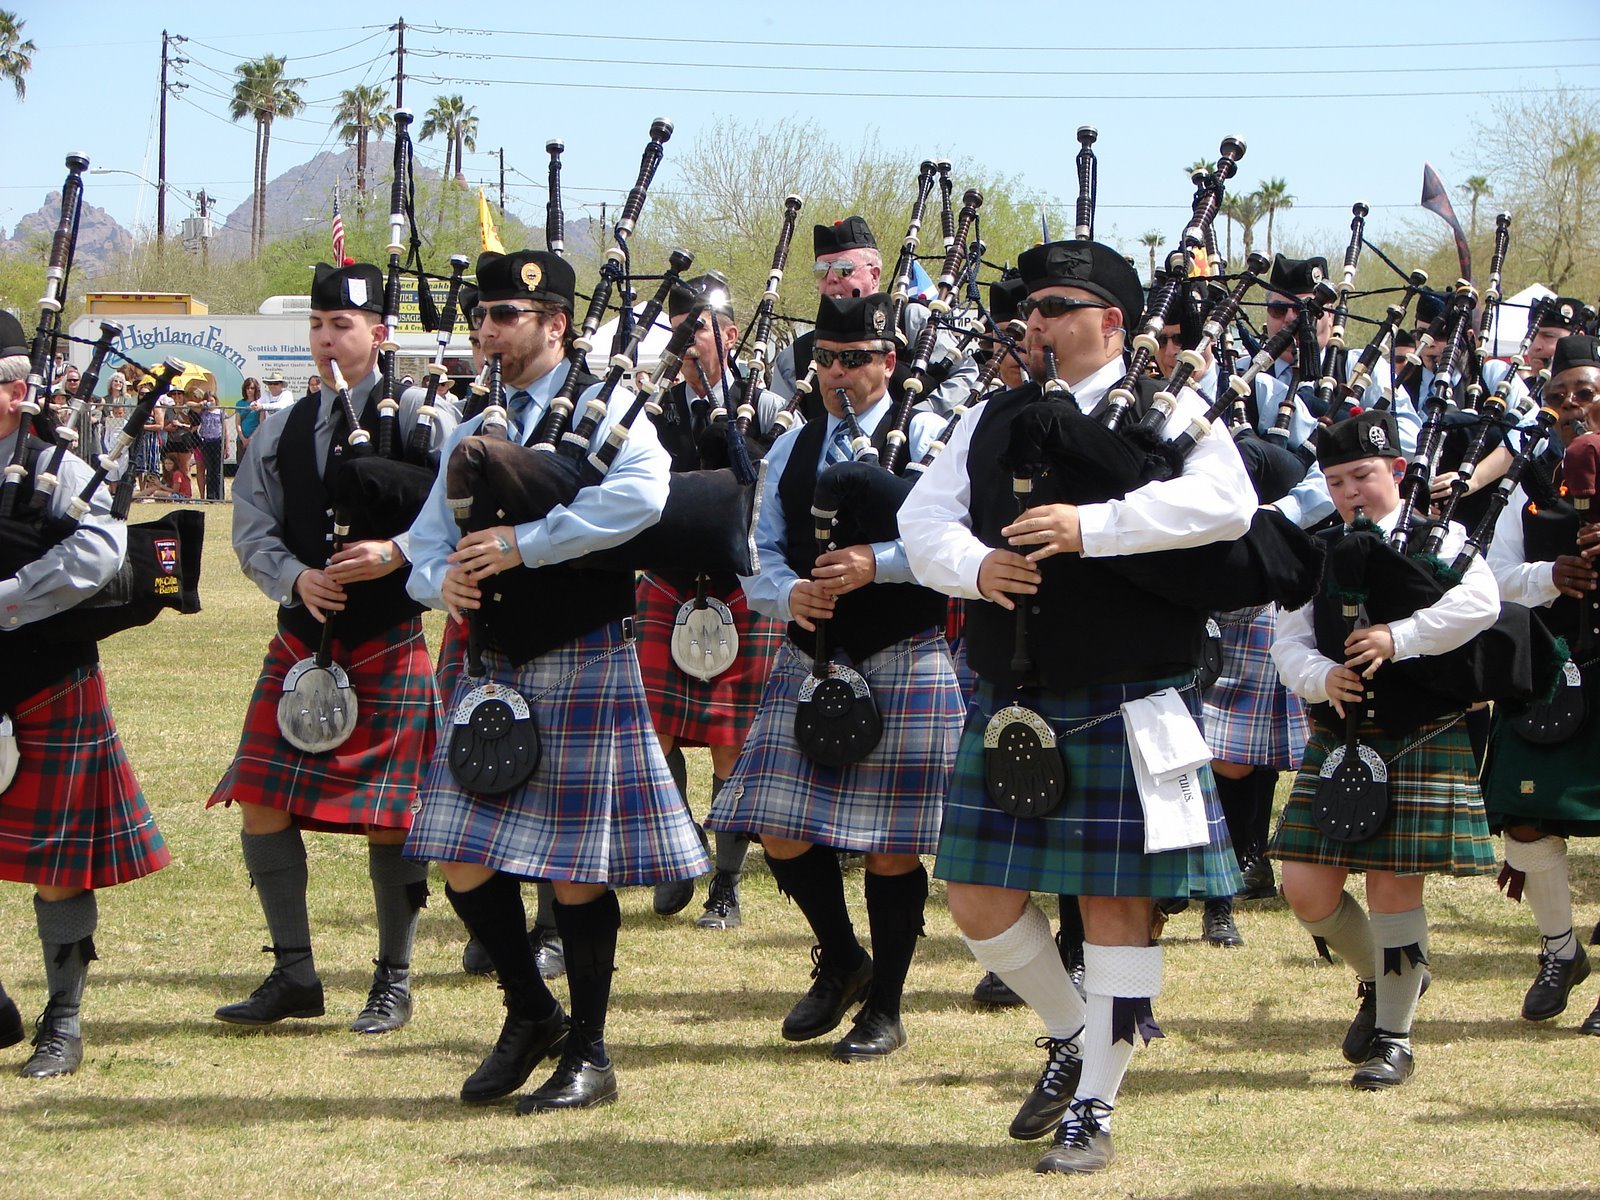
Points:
(1094, 530)
(1403, 633)
(890, 564)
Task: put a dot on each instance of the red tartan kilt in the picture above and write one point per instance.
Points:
(74, 815)
(716, 712)
(371, 780)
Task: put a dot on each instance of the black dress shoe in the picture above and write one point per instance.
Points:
(722, 904)
(388, 1004)
(475, 959)
(10, 1023)
(523, 1042)
(55, 1052)
(1083, 1143)
(1591, 1023)
(1259, 882)
(1556, 978)
(1357, 1047)
(871, 1037)
(277, 997)
(822, 1007)
(993, 992)
(1217, 927)
(549, 955)
(1390, 1065)
(1052, 1094)
(576, 1083)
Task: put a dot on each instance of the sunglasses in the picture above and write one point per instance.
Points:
(502, 314)
(1051, 307)
(843, 269)
(850, 359)
(1164, 340)
(1281, 308)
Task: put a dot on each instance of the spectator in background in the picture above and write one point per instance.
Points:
(208, 427)
(277, 393)
(248, 412)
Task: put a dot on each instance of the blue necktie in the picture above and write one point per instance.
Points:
(517, 405)
(838, 446)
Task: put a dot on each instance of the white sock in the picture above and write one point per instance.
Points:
(1546, 889)
(1110, 972)
(1026, 958)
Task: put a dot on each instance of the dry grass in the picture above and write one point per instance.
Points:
(1245, 1097)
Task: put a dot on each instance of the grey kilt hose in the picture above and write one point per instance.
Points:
(889, 802)
(600, 808)
(1093, 843)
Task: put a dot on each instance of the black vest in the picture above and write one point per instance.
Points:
(1086, 625)
(682, 428)
(33, 663)
(1549, 530)
(374, 605)
(868, 619)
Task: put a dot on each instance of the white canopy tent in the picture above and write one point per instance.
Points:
(1511, 321)
(649, 350)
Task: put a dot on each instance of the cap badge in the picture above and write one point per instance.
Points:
(1316, 273)
(532, 276)
(1566, 311)
(356, 290)
(879, 320)
(1376, 438)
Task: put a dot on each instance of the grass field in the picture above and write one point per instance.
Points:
(1245, 1097)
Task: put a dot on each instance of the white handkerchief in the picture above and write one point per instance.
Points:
(1168, 750)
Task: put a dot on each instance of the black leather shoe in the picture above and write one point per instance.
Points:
(1390, 1065)
(1591, 1023)
(10, 1023)
(523, 1043)
(871, 1037)
(1217, 927)
(475, 959)
(55, 1052)
(993, 992)
(275, 999)
(1083, 1143)
(1556, 978)
(576, 1083)
(1259, 881)
(822, 1007)
(1357, 1046)
(722, 904)
(388, 1004)
(549, 955)
(1052, 1094)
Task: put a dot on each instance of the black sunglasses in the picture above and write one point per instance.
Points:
(1051, 307)
(1281, 308)
(501, 314)
(850, 359)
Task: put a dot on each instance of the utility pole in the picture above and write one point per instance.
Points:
(502, 181)
(399, 30)
(204, 201)
(161, 153)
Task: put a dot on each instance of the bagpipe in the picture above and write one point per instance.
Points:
(758, 365)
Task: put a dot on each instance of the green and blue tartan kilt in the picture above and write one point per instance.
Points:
(371, 780)
(1556, 789)
(1093, 844)
(1436, 822)
(1249, 716)
(702, 712)
(74, 815)
(889, 802)
(600, 808)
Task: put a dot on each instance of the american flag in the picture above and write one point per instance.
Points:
(338, 231)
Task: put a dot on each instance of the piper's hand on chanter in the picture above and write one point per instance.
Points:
(1343, 687)
(1370, 647)
(1589, 541)
(487, 552)
(1053, 528)
(810, 601)
(459, 593)
(365, 560)
(319, 592)
(843, 571)
(1573, 574)
(1439, 486)
(1005, 573)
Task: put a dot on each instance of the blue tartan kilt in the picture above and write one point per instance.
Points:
(1093, 844)
(889, 802)
(600, 808)
(1249, 716)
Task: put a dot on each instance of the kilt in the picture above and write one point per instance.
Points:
(889, 802)
(1556, 788)
(715, 712)
(74, 815)
(451, 663)
(1093, 843)
(1436, 822)
(1249, 717)
(371, 780)
(600, 808)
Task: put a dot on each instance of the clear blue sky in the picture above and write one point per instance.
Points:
(1343, 110)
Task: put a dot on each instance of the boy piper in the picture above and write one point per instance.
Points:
(282, 525)
(600, 810)
(1096, 643)
(1435, 821)
(73, 819)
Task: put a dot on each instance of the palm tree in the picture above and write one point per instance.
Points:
(1244, 210)
(455, 119)
(1151, 241)
(16, 55)
(1476, 187)
(1275, 198)
(1198, 164)
(363, 110)
(264, 91)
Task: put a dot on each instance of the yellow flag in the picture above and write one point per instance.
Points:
(1202, 264)
(491, 239)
